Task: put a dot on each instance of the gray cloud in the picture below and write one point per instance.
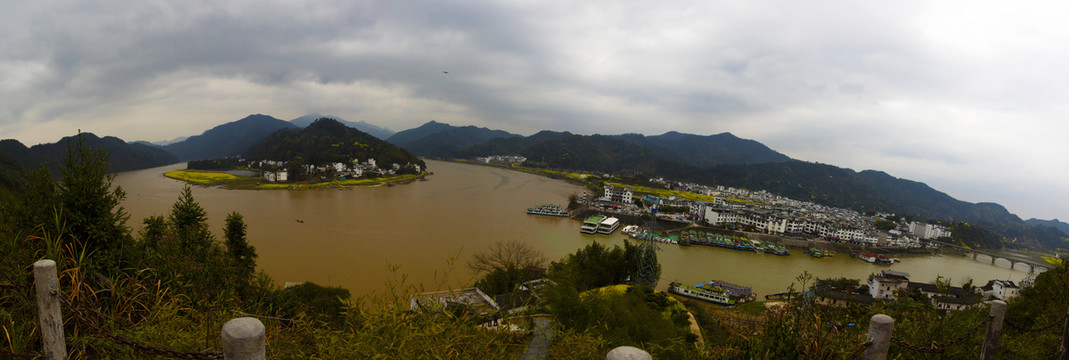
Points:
(921, 90)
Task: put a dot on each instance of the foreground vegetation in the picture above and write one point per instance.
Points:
(175, 283)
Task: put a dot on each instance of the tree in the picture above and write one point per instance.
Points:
(242, 255)
(511, 254)
(189, 220)
(91, 207)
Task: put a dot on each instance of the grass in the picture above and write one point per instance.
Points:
(665, 193)
(218, 178)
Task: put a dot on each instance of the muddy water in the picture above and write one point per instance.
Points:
(426, 232)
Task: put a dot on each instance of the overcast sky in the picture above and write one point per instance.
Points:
(970, 97)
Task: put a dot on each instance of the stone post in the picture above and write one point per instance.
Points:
(628, 353)
(49, 310)
(244, 339)
(994, 330)
(880, 328)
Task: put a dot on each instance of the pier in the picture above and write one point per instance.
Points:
(1032, 265)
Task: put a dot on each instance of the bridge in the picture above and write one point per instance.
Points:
(1032, 264)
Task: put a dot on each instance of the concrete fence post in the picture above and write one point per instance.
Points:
(244, 339)
(1063, 352)
(49, 310)
(994, 330)
(880, 328)
(628, 353)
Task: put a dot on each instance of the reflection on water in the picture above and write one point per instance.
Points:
(430, 229)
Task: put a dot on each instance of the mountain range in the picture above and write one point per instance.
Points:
(370, 129)
(721, 159)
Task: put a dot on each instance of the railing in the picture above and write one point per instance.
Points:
(242, 338)
(881, 327)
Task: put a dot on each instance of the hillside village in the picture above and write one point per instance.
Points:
(275, 171)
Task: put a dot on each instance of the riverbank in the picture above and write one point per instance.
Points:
(231, 181)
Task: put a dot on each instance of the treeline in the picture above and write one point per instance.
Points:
(215, 164)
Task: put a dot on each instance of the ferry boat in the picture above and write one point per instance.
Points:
(548, 210)
(590, 225)
(608, 225)
(875, 258)
(702, 292)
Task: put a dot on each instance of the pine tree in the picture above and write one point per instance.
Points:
(189, 220)
(242, 255)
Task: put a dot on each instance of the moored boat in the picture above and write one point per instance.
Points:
(547, 210)
(608, 225)
(700, 292)
(590, 225)
(877, 259)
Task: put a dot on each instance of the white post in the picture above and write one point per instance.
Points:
(244, 339)
(49, 312)
(880, 328)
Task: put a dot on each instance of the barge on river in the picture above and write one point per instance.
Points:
(716, 291)
(878, 259)
(548, 210)
(590, 225)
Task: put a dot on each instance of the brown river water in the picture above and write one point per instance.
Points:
(425, 232)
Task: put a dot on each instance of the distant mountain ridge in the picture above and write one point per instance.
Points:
(373, 130)
(709, 150)
(230, 139)
(1055, 223)
(437, 139)
(123, 156)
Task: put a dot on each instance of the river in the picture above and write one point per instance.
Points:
(425, 233)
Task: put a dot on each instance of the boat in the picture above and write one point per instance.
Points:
(877, 259)
(590, 225)
(548, 210)
(817, 253)
(608, 225)
(701, 292)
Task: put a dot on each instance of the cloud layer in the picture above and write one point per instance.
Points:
(969, 97)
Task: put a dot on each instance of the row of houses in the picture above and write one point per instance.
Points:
(353, 169)
(791, 217)
(888, 285)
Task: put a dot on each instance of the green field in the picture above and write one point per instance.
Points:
(218, 178)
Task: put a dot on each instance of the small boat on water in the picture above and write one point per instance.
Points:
(548, 210)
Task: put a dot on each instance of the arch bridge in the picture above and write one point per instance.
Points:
(1032, 264)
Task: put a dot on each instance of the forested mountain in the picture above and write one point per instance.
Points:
(12, 174)
(704, 151)
(405, 136)
(326, 141)
(230, 139)
(371, 129)
(1052, 223)
(447, 141)
(123, 156)
(736, 162)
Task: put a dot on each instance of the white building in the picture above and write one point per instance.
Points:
(886, 283)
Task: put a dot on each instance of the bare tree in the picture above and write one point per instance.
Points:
(503, 255)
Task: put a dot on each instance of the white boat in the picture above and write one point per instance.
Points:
(590, 225)
(608, 225)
